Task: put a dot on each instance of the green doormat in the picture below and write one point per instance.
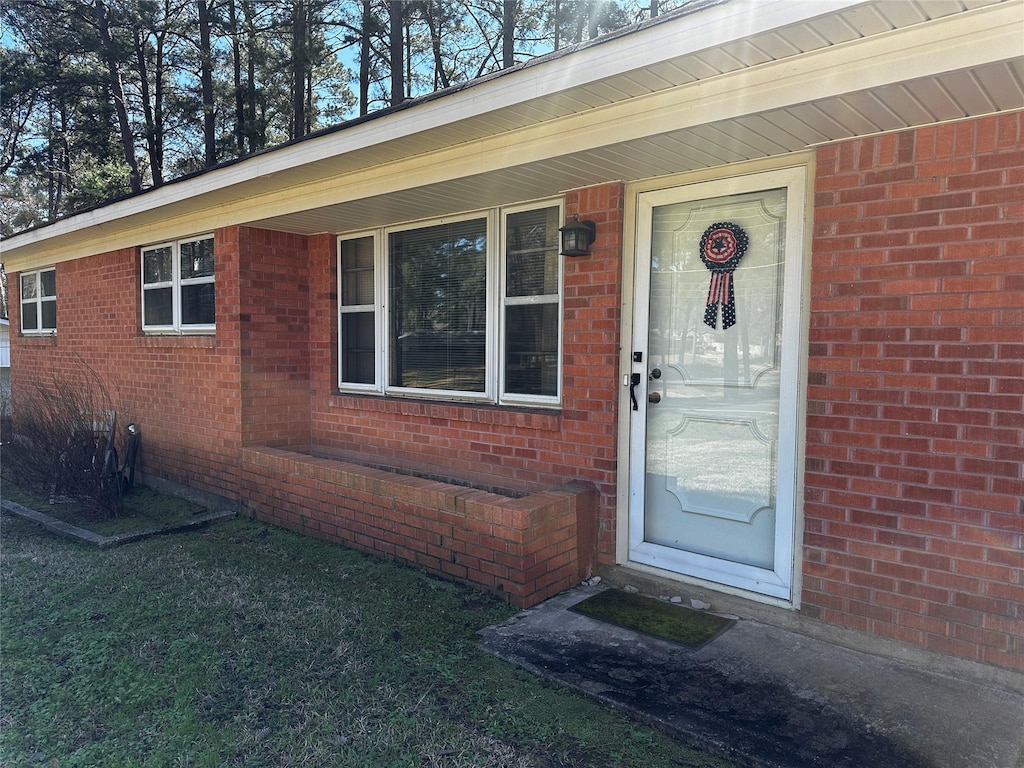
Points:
(654, 617)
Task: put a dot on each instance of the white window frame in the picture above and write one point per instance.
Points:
(176, 326)
(497, 302)
(509, 301)
(379, 333)
(37, 301)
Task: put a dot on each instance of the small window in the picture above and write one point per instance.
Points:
(532, 300)
(178, 293)
(39, 301)
(357, 321)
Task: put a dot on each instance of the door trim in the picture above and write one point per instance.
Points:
(795, 172)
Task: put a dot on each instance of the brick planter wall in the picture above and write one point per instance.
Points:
(914, 524)
(524, 549)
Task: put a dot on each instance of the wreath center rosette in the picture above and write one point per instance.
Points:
(721, 248)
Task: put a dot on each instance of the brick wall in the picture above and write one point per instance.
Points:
(182, 391)
(522, 549)
(914, 524)
(273, 329)
(497, 447)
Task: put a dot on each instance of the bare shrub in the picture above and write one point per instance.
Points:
(62, 442)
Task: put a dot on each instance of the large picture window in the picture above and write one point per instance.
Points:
(465, 308)
(178, 292)
(39, 301)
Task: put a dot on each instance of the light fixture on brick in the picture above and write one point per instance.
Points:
(577, 237)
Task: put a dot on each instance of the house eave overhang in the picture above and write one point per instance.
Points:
(702, 89)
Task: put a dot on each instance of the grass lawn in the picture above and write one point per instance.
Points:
(245, 645)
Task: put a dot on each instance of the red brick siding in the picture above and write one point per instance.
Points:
(182, 391)
(274, 333)
(522, 549)
(517, 448)
(914, 524)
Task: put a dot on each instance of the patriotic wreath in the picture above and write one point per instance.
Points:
(721, 248)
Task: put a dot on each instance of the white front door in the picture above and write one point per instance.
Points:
(716, 356)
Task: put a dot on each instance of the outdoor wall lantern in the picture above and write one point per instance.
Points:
(577, 237)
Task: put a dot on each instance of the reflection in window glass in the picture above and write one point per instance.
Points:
(157, 265)
(197, 259)
(438, 299)
(158, 308)
(197, 304)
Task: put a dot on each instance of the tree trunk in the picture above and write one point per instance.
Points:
(206, 84)
(396, 50)
(557, 25)
(298, 69)
(440, 73)
(236, 77)
(364, 59)
(508, 33)
(148, 112)
(117, 94)
(252, 133)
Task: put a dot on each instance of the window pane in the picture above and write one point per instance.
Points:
(157, 308)
(197, 258)
(531, 349)
(30, 285)
(30, 316)
(157, 266)
(48, 282)
(531, 253)
(49, 311)
(357, 344)
(438, 285)
(197, 304)
(357, 272)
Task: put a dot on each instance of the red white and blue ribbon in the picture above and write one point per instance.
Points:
(721, 248)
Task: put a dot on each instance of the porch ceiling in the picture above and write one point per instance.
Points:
(724, 82)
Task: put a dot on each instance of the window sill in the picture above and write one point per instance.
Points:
(203, 341)
(530, 417)
(38, 337)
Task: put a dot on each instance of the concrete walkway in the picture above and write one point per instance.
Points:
(768, 697)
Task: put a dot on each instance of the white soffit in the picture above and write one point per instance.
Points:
(732, 82)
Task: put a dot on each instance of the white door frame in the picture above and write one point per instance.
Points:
(794, 172)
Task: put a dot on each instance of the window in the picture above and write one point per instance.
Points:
(178, 293)
(532, 301)
(468, 308)
(39, 301)
(358, 313)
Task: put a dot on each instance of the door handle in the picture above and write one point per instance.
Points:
(654, 397)
(634, 379)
